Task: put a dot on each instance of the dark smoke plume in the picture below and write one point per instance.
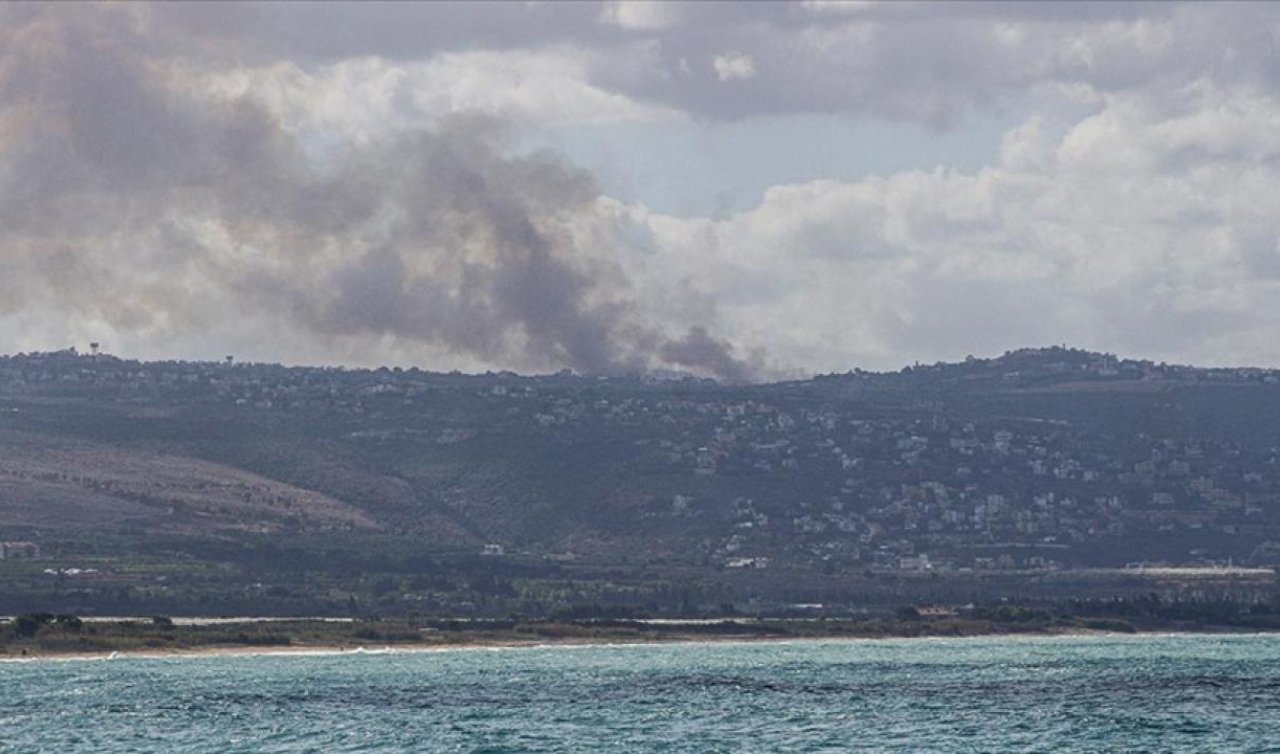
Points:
(135, 196)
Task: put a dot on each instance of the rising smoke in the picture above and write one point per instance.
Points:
(137, 196)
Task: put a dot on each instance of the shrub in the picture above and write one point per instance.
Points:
(28, 625)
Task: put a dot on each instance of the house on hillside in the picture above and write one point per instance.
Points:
(936, 611)
(19, 550)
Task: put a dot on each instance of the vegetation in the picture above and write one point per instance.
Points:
(43, 634)
(181, 488)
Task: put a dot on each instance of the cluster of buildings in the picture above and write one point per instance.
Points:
(827, 471)
(19, 550)
(927, 493)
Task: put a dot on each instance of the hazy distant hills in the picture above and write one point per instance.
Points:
(1039, 459)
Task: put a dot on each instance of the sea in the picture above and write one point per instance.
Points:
(1146, 693)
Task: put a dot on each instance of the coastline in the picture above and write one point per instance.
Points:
(474, 645)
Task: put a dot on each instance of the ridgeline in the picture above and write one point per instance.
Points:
(1044, 475)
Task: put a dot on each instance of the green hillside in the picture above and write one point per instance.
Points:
(199, 487)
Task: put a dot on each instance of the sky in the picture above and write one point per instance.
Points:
(747, 191)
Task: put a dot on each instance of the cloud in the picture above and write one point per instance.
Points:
(641, 15)
(358, 97)
(345, 178)
(936, 63)
(733, 66)
(1147, 227)
(151, 195)
(838, 6)
(925, 62)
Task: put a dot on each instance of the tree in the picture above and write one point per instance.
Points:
(29, 625)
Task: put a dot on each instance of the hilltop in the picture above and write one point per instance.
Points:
(189, 486)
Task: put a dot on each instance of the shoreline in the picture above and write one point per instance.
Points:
(376, 650)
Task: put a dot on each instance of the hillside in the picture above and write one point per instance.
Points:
(182, 484)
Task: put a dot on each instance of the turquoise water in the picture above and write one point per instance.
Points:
(1156, 694)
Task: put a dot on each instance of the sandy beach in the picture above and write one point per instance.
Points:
(566, 643)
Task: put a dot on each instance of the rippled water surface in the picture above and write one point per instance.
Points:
(1181, 693)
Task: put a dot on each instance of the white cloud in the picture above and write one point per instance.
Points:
(641, 15)
(733, 66)
(839, 6)
(1135, 208)
(1132, 230)
(359, 96)
(928, 62)
(938, 63)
